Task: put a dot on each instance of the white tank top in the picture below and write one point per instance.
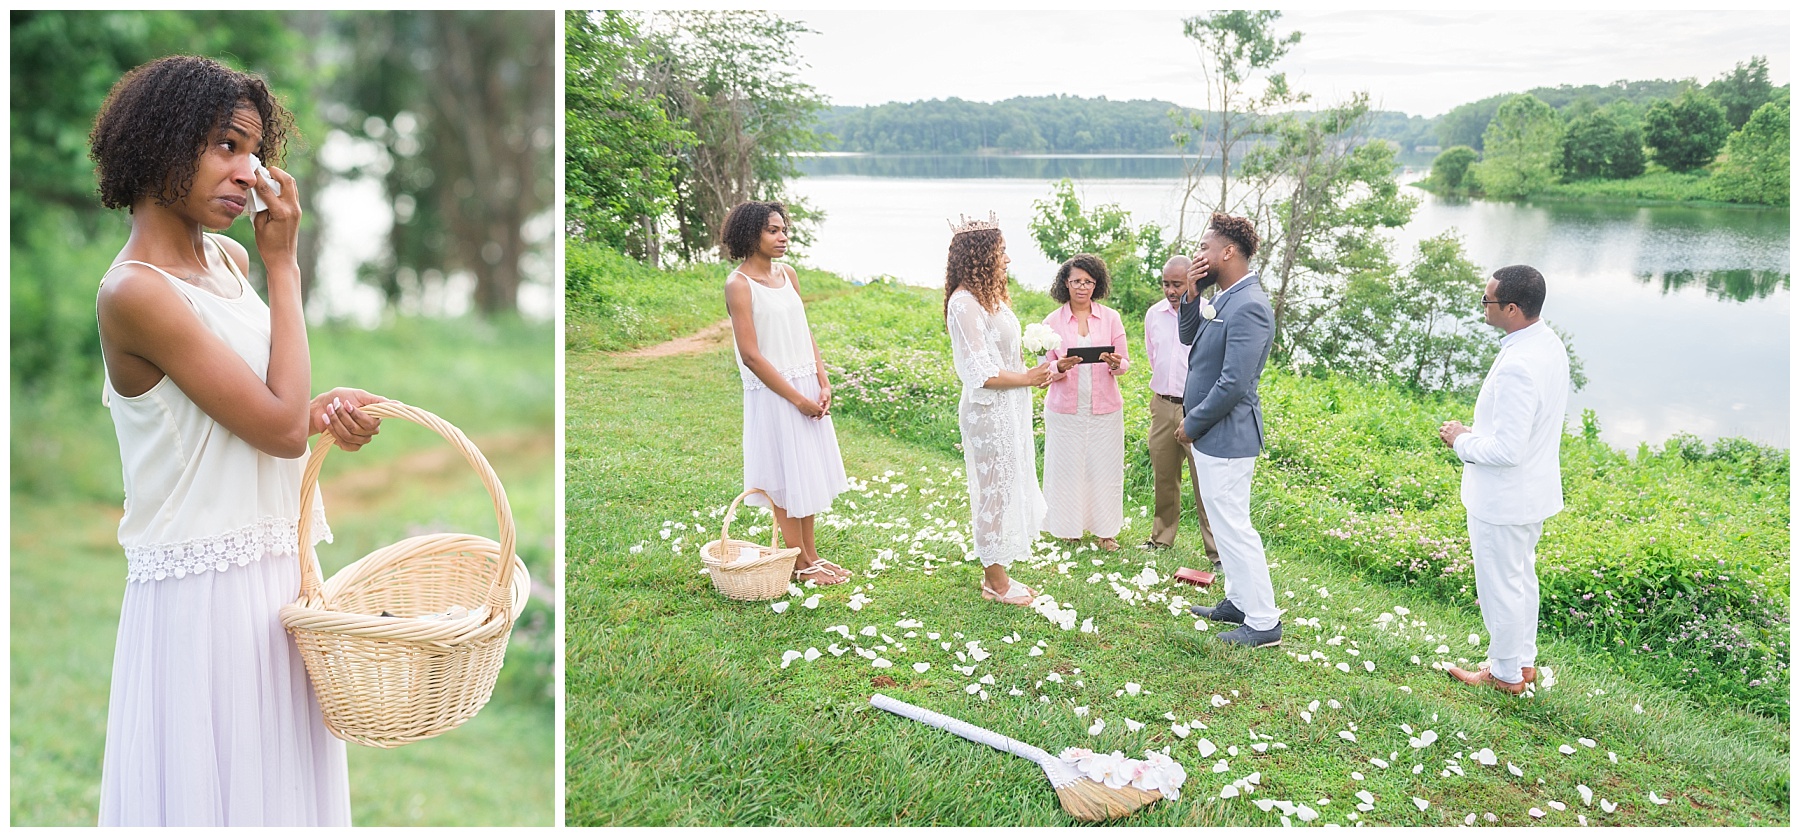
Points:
(782, 334)
(198, 497)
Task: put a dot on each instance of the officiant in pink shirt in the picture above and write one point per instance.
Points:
(1084, 416)
(1169, 458)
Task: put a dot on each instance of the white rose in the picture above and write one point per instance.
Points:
(1209, 312)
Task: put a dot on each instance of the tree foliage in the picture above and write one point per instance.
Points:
(1134, 254)
(1522, 148)
(1687, 132)
(1420, 327)
(1743, 90)
(1599, 144)
(620, 166)
(1755, 168)
(1450, 169)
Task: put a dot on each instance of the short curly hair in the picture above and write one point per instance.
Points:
(1088, 263)
(1238, 230)
(1521, 285)
(743, 226)
(159, 118)
(974, 265)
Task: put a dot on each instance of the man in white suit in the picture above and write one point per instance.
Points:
(1512, 480)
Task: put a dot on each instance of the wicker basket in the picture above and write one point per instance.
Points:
(384, 681)
(764, 575)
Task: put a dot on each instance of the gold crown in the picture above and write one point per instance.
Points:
(972, 224)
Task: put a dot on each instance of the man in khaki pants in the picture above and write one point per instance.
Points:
(1168, 376)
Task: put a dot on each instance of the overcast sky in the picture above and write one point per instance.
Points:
(1419, 62)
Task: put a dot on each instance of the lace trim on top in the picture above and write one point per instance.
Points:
(270, 536)
(800, 371)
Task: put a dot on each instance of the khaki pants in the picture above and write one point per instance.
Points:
(1167, 458)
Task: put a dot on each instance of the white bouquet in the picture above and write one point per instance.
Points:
(1040, 338)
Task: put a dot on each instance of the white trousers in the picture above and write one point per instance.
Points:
(1506, 582)
(1225, 491)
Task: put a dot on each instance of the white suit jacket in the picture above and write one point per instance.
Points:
(1511, 471)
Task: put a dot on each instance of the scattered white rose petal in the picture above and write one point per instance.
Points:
(1422, 803)
(921, 667)
(1470, 819)
(812, 654)
(1180, 730)
(1586, 742)
(1366, 797)
(1566, 750)
(812, 602)
(1638, 708)
(1536, 813)
(1474, 639)
(1228, 792)
(1657, 799)
(1035, 651)
(1133, 726)
(1612, 757)
(1608, 805)
(972, 688)
(1221, 766)
(1334, 704)
(1098, 725)
(879, 662)
(779, 607)
(788, 657)
(1133, 688)
(1587, 795)
(1346, 735)
(1557, 805)
(1379, 762)
(1207, 748)
(1514, 770)
(1306, 716)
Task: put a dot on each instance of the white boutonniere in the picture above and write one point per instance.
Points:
(1208, 312)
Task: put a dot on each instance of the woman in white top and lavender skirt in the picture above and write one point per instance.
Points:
(790, 447)
(211, 720)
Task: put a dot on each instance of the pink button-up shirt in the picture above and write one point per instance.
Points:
(1168, 355)
(1105, 325)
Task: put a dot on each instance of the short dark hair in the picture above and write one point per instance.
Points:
(159, 118)
(1238, 230)
(1090, 264)
(744, 225)
(1521, 285)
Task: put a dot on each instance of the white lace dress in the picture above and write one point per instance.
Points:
(211, 719)
(1005, 506)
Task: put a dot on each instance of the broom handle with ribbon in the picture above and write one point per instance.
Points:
(963, 729)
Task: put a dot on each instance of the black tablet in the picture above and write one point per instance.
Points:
(1089, 354)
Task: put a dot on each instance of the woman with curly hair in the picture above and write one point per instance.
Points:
(211, 720)
(1005, 506)
(790, 447)
(1084, 415)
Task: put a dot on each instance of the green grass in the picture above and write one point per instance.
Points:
(493, 380)
(680, 713)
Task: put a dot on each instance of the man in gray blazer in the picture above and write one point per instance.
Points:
(1231, 335)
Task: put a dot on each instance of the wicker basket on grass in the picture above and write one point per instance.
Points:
(746, 571)
(451, 599)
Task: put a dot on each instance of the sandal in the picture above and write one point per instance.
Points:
(1108, 544)
(831, 573)
(1012, 596)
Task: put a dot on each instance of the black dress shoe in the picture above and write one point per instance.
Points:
(1225, 611)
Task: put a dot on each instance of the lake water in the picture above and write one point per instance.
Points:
(1679, 314)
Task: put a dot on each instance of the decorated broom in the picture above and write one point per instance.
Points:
(1091, 786)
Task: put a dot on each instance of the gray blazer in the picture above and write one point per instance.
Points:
(1224, 416)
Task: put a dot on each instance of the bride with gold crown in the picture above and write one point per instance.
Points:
(1005, 506)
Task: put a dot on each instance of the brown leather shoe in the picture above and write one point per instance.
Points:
(1528, 672)
(1482, 677)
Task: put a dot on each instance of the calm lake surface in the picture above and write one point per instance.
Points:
(1680, 315)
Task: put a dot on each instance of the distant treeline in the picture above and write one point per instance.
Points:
(1041, 124)
(1076, 125)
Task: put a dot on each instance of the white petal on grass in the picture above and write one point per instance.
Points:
(1357, 775)
(1638, 708)
(1566, 750)
(1370, 666)
(1228, 792)
(869, 630)
(779, 607)
(1557, 805)
(1334, 704)
(1514, 770)
(1346, 735)
(1366, 797)
(1221, 766)
(972, 688)
(921, 667)
(1474, 639)
(1536, 813)
(1379, 762)
(1587, 795)
(1657, 799)
(880, 662)
(1098, 725)
(1180, 730)
(1343, 667)
(1586, 742)
(1608, 805)
(1469, 820)
(1207, 748)
(1035, 651)
(1133, 726)
(1612, 757)
(788, 658)
(812, 654)
(1133, 688)
(1306, 716)
(1218, 701)
(1422, 803)
(812, 602)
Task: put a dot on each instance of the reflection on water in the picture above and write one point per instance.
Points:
(1025, 167)
(1679, 313)
(1737, 285)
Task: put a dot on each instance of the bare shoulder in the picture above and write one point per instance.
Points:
(793, 276)
(135, 298)
(239, 255)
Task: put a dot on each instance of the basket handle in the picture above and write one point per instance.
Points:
(725, 528)
(311, 585)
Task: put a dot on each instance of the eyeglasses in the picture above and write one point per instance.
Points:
(1081, 283)
(1486, 301)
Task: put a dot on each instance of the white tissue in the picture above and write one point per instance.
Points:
(256, 202)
